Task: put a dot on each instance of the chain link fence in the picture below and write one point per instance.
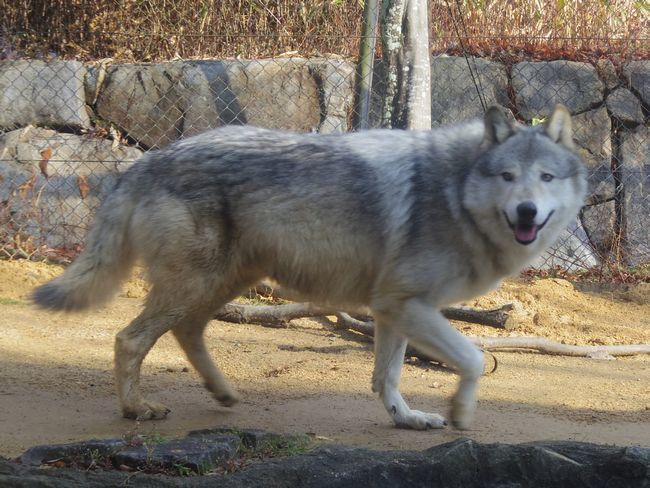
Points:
(70, 124)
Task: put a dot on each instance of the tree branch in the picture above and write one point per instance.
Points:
(280, 315)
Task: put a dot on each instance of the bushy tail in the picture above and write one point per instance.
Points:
(95, 276)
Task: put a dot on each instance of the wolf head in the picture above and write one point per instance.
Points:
(528, 183)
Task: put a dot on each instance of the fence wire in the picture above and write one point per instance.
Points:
(69, 127)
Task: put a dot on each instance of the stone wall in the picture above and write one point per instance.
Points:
(68, 128)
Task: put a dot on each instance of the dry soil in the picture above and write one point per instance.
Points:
(56, 382)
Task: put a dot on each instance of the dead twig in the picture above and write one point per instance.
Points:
(546, 346)
(280, 315)
(268, 315)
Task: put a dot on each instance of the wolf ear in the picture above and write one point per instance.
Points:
(558, 127)
(497, 127)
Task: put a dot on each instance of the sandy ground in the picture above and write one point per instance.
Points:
(56, 382)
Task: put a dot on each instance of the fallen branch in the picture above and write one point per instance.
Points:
(546, 346)
(280, 315)
(497, 317)
(268, 315)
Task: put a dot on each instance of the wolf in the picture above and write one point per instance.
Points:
(400, 222)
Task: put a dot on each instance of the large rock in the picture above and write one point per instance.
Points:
(42, 93)
(624, 106)
(155, 104)
(598, 221)
(539, 86)
(635, 153)
(52, 182)
(572, 251)
(335, 79)
(198, 454)
(459, 464)
(272, 93)
(454, 94)
(592, 135)
(637, 74)
(593, 138)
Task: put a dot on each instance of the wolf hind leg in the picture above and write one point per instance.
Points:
(190, 336)
(131, 346)
(389, 357)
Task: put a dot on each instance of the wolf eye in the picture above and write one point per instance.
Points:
(547, 177)
(507, 176)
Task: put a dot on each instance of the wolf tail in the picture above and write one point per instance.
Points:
(95, 276)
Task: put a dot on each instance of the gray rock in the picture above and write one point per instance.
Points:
(607, 72)
(635, 154)
(200, 453)
(335, 79)
(637, 74)
(592, 135)
(572, 252)
(156, 104)
(259, 441)
(56, 211)
(78, 453)
(539, 86)
(70, 154)
(454, 95)
(624, 106)
(459, 464)
(272, 93)
(598, 223)
(42, 93)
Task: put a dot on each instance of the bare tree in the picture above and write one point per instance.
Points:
(405, 45)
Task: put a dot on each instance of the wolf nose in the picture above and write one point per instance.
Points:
(526, 211)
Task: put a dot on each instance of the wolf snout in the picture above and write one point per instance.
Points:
(525, 227)
(526, 212)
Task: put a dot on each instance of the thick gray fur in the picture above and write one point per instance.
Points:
(404, 222)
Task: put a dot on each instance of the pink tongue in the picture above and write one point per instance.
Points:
(526, 234)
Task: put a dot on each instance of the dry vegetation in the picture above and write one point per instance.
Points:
(148, 30)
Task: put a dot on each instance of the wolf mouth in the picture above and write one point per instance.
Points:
(526, 233)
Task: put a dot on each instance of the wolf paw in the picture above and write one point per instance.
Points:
(227, 399)
(416, 420)
(462, 415)
(146, 410)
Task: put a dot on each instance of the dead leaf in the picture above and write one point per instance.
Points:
(46, 154)
(28, 185)
(84, 187)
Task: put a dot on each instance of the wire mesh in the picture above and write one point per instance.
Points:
(83, 96)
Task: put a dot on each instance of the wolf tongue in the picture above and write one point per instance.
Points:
(526, 233)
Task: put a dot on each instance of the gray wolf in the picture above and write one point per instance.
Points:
(402, 222)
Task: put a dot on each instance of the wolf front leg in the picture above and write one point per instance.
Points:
(389, 357)
(426, 329)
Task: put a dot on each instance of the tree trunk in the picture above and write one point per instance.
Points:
(366, 64)
(407, 75)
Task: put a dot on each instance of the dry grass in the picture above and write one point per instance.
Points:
(148, 30)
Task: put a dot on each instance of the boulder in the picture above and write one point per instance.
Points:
(53, 182)
(592, 135)
(635, 155)
(538, 86)
(459, 464)
(607, 72)
(454, 94)
(335, 79)
(156, 104)
(637, 75)
(42, 93)
(198, 453)
(624, 106)
(272, 93)
(572, 252)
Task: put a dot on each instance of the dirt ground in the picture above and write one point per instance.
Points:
(56, 382)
